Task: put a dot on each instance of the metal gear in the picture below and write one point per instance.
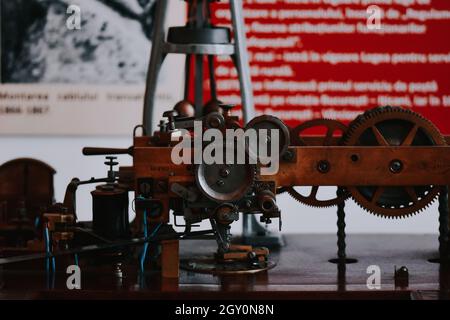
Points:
(332, 127)
(393, 126)
(225, 182)
(271, 122)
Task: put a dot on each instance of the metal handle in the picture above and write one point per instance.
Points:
(93, 151)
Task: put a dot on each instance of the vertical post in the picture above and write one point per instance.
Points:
(443, 224)
(341, 253)
(187, 73)
(341, 243)
(241, 59)
(198, 100)
(212, 77)
(342, 276)
(247, 227)
(156, 59)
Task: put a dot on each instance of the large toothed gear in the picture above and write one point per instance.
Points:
(333, 128)
(393, 126)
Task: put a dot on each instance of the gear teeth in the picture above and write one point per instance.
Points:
(360, 122)
(318, 204)
(296, 140)
(402, 216)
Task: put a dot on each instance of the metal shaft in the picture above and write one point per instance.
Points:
(443, 224)
(156, 59)
(341, 228)
(241, 60)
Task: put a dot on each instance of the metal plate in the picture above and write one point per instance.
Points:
(209, 265)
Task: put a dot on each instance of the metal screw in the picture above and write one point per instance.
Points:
(220, 183)
(396, 166)
(225, 172)
(323, 166)
(354, 157)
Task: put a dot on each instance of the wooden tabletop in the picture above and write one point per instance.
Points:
(302, 272)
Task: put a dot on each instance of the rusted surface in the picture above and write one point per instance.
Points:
(371, 168)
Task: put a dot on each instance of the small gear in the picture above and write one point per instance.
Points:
(270, 123)
(227, 181)
(393, 126)
(331, 128)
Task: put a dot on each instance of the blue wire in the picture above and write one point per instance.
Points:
(36, 222)
(144, 249)
(47, 250)
(76, 259)
(146, 237)
(155, 231)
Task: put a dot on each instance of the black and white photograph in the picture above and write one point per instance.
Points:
(111, 47)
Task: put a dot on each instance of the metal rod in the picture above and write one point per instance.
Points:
(443, 224)
(242, 60)
(156, 59)
(212, 77)
(187, 76)
(198, 85)
(341, 253)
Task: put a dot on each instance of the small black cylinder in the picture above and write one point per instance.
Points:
(110, 212)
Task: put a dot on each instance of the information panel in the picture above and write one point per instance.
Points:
(79, 67)
(336, 58)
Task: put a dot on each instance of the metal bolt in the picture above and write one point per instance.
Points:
(224, 172)
(214, 123)
(288, 155)
(323, 166)
(396, 166)
(220, 183)
(401, 277)
(354, 157)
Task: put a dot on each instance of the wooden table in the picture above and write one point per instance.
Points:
(302, 272)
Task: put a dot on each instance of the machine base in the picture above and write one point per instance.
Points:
(227, 267)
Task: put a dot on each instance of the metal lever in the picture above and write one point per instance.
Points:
(93, 151)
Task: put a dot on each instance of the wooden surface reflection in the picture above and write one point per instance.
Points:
(302, 272)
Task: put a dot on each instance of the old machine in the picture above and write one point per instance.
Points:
(392, 161)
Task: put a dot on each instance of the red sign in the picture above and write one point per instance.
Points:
(335, 58)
